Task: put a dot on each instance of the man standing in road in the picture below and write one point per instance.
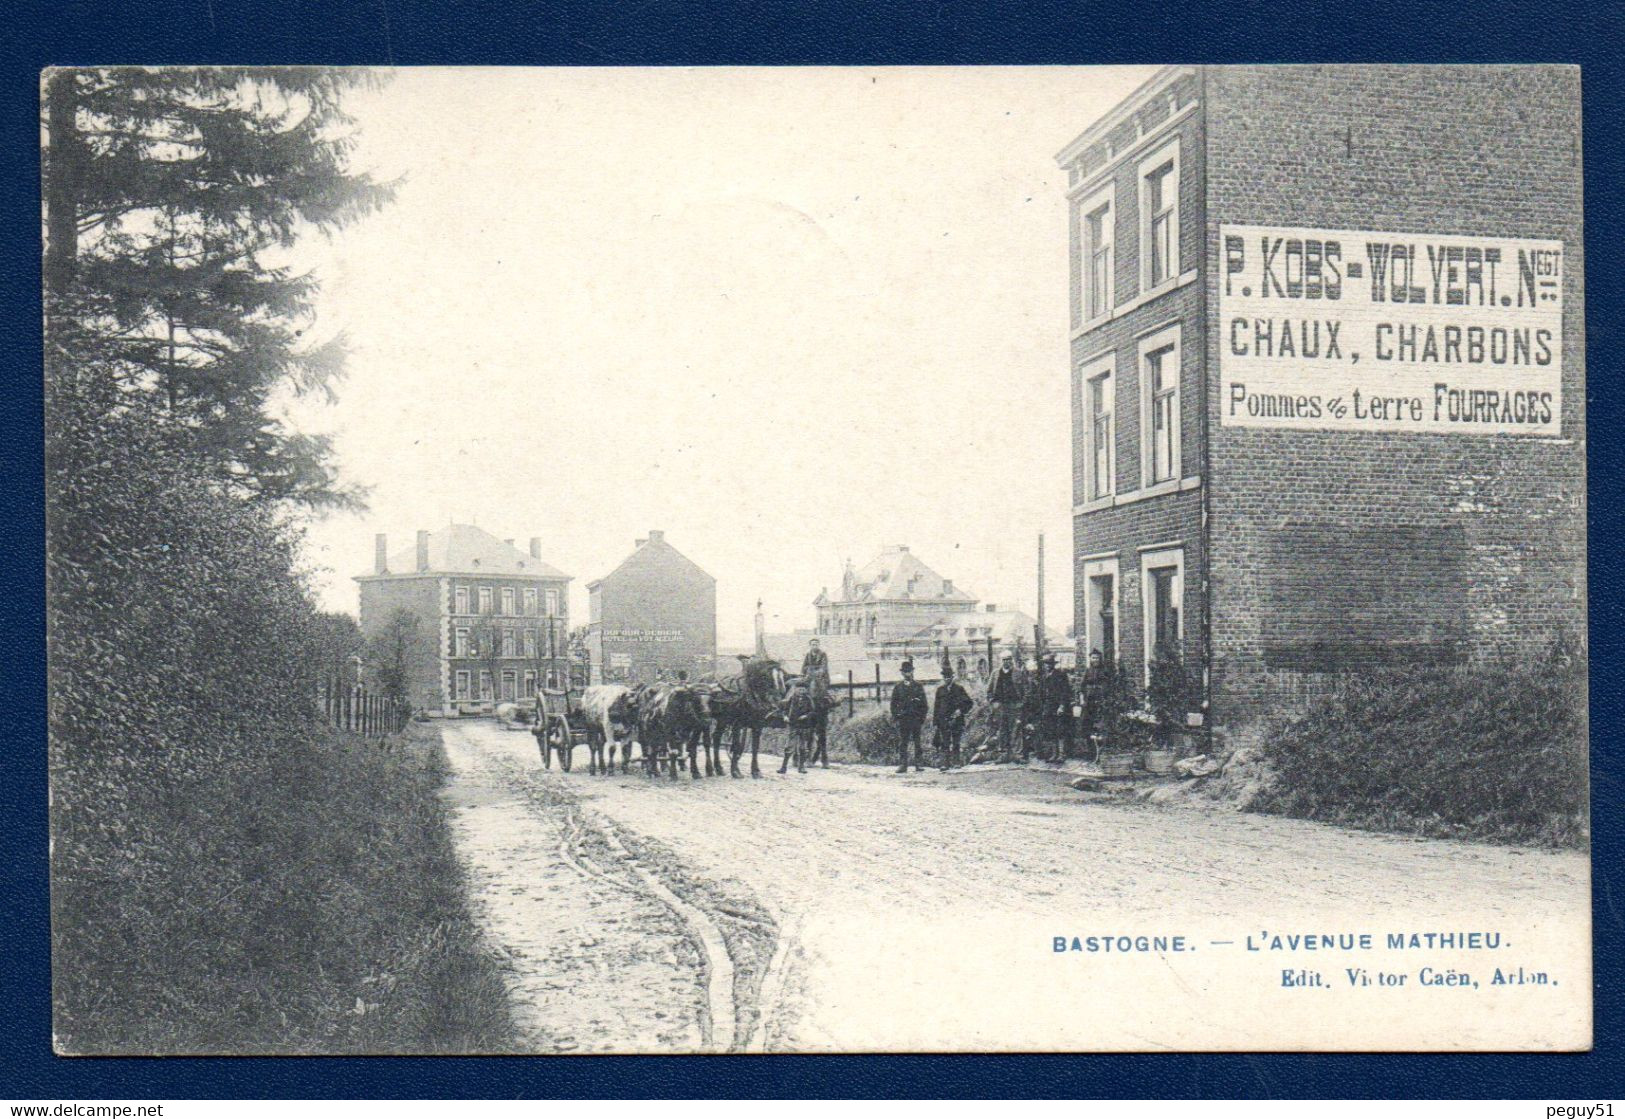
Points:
(1005, 694)
(1055, 712)
(952, 704)
(908, 711)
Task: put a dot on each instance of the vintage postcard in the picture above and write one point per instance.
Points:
(567, 561)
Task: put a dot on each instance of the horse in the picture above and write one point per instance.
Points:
(746, 708)
(670, 718)
(611, 712)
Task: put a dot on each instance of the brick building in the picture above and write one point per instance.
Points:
(1328, 372)
(493, 621)
(653, 615)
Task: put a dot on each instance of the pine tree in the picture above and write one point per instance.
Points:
(169, 195)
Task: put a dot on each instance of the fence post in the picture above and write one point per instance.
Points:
(877, 682)
(851, 689)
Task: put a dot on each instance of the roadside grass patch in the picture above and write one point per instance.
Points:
(292, 896)
(1492, 752)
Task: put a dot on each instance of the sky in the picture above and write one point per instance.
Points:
(788, 316)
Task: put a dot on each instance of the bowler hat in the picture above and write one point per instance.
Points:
(908, 666)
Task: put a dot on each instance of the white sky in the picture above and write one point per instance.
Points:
(789, 316)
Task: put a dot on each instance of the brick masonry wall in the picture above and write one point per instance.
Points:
(487, 624)
(1441, 150)
(1124, 529)
(380, 598)
(432, 599)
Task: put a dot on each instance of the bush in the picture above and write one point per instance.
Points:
(867, 737)
(300, 900)
(227, 873)
(1493, 751)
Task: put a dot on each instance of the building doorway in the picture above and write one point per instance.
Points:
(1100, 628)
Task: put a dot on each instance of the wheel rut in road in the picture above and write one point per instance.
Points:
(714, 937)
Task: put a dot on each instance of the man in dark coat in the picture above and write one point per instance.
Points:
(815, 669)
(1055, 712)
(800, 713)
(908, 711)
(948, 712)
(1005, 692)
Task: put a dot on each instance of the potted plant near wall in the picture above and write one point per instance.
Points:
(1123, 725)
(1167, 698)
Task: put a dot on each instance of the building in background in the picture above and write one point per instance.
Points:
(896, 608)
(491, 621)
(1327, 372)
(654, 615)
(893, 596)
(972, 640)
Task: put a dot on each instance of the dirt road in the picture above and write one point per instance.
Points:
(856, 909)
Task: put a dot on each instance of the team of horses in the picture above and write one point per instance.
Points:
(676, 724)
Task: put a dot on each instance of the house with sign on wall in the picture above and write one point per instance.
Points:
(1327, 372)
(653, 616)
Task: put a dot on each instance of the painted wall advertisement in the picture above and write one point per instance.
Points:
(1359, 331)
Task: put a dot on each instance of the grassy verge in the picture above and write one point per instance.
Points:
(300, 899)
(1492, 752)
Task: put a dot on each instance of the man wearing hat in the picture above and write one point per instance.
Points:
(948, 712)
(908, 711)
(1055, 714)
(1005, 693)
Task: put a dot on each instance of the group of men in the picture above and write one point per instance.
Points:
(1031, 717)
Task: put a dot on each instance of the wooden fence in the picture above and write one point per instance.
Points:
(355, 709)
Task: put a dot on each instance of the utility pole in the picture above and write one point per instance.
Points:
(1039, 640)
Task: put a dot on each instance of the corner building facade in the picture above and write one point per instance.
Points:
(1328, 373)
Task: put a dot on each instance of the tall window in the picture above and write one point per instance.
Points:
(1159, 216)
(507, 643)
(462, 642)
(1097, 236)
(552, 604)
(460, 605)
(530, 682)
(1099, 430)
(462, 684)
(508, 685)
(530, 600)
(1164, 610)
(530, 643)
(1159, 400)
(485, 600)
(485, 684)
(507, 600)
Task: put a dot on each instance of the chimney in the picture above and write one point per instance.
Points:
(642, 540)
(535, 547)
(993, 608)
(423, 549)
(656, 534)
(947, 586)
(509, 542)
(380, 554)
(902, 547)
